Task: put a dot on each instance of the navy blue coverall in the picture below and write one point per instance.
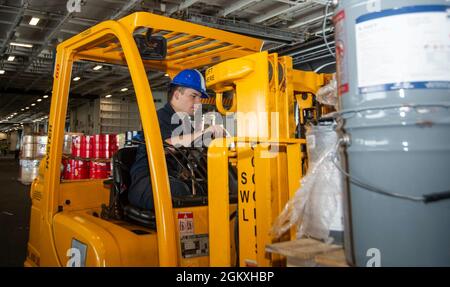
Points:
(140, 191)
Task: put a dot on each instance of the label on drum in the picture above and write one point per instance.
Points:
(405, 48)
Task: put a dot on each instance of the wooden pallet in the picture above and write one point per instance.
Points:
(309, 253)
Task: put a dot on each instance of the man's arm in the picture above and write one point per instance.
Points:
(186, 140)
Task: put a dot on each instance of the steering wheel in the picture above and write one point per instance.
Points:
(199, 142)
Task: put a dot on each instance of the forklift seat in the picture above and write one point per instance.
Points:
(122, 161)
(121, 209)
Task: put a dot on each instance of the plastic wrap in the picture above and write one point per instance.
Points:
(121, 139)
(328, 94)
(29, 170)
(68, 138)
(41, 146)
(316, 207)
(28, 150)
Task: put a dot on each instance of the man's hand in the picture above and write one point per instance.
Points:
(199, 138)
(217, 130)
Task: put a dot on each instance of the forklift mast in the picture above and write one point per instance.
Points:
(265, 150)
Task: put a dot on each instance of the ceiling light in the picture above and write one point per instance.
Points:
(33, 104)
(22, 110)
(15, 114)
(108, 96)
(166, 75)
(27, 108)
(34, 21)
(38, 100)
(98, 67)
(124, 90)
(45, 96)
(21, 45)
(76, 79)
(2, 72)
(11, 58)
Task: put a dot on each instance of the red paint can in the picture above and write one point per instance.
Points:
(63, 167)
(113, 145)
(82, 146)
(98, 151)
(112, 150)
(98, 147)
(87, 147)
(99, 169)
(75, 169)
(76, 146)
(101, 146)
(105, 145)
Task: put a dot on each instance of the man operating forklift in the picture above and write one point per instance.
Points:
(184, 94)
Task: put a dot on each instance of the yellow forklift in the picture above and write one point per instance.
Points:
(69, 225)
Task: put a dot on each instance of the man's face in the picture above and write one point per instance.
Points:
(186, 100)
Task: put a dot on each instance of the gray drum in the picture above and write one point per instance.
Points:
(393, 68)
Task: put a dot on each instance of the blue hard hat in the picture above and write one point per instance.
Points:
(191, 78)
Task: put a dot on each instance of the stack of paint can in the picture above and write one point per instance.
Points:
(75, 169)
(99, 169)
(90, 157)
(104, 146)
(96, 146)
(113, 145)
(83, 146)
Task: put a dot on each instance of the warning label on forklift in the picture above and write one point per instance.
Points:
(406, 48)
(186, 223)
(194, 245)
